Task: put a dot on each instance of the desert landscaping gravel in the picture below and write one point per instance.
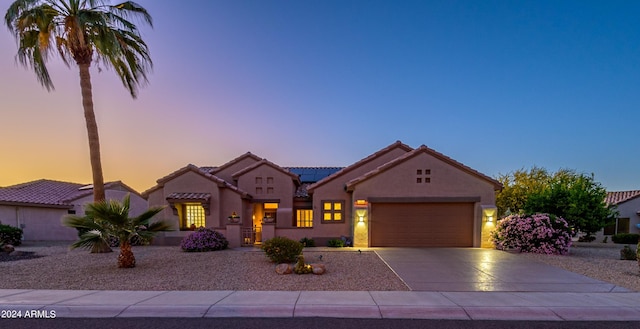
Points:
(600, 261)
(169, 268)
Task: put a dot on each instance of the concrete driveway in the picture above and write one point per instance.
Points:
(474, 269)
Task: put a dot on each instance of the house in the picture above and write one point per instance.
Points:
(38, 206)
(397, 196)
(628, 205)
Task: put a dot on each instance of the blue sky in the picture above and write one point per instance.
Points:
(496, 85)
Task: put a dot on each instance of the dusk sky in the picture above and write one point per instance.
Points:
(496, 85)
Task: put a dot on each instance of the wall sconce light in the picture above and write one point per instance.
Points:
(489, 219)
(361, 219)
(361, 213)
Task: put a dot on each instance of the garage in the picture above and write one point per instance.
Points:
(444, 224)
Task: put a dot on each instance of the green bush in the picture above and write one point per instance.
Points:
(627, 253)
(625, 238)
(282, 250)
(335, 243)
(11, 235)
(306, 242)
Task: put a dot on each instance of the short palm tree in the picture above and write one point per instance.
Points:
(105, 220)
(82, 31)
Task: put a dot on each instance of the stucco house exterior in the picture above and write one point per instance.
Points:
(628, 206)
(38, 206)
(397, 196)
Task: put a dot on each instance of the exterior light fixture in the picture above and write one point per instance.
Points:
(489, 219)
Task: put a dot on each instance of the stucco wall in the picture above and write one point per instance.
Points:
(189, 182)
(38, 223)
(266, 183)
(227, 172)
(334, 190)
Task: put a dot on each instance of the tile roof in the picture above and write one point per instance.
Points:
(189, 196)
(422, 149)
(193, 168)
(45, 192)
(397, 144)
(266, 162)
(618, 197)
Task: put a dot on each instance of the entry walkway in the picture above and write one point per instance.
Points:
(476, 269)
(619, 306)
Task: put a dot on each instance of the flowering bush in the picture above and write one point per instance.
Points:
(539, 233)
(204, 239)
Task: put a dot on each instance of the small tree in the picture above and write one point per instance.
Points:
(107, 219)
(577, 198)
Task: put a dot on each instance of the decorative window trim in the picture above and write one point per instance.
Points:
(332, 211)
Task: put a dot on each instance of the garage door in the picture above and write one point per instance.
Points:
(421, 224)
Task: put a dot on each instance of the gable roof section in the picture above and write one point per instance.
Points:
(266, 162)
(397, 144)
(214, 170)
(614, 198)
(50, 193)
(422, 149)
(193, 168)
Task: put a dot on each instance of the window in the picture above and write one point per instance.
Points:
(258, 180)
(258, 190)
(333, 211)
(270, 211)
(423, 176)
(304, 218)
(269, 180)
(269, 190)
(193, 216)
(620, 226)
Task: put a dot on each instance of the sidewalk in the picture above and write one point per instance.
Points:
(544, 306)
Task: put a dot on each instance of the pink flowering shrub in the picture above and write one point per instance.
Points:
(539, 233)
(204, 239)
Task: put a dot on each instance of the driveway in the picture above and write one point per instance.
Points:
(475, 269)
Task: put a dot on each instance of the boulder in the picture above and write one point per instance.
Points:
(318, 269)
(8, 248)
(283, 269)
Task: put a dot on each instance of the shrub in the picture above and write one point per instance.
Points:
(282, 250)
(625, 238)
(335, 243)
(539, 233)
(306, 242)
(302, 267)
(626, 253)
(204, 239)
(10, 235)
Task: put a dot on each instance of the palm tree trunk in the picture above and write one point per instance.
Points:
(126, 258)
(92, 131)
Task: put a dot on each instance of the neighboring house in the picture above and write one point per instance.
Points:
(398, 196)
(628, 206)
(38, 207)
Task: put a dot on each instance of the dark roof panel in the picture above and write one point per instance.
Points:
(313, 174)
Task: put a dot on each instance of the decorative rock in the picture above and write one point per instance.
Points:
(318, 269)
(283, 269)
(8, 248)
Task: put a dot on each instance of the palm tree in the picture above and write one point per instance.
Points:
(82, 31)
(104, 220)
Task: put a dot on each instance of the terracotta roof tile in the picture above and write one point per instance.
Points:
(50, 192)
(397, 144)
(618, 197)
(422, 149)
(189, 196)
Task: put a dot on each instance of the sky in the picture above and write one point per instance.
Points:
(497, 85)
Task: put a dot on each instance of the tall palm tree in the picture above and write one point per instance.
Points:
(110, 219)
(82, 31)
